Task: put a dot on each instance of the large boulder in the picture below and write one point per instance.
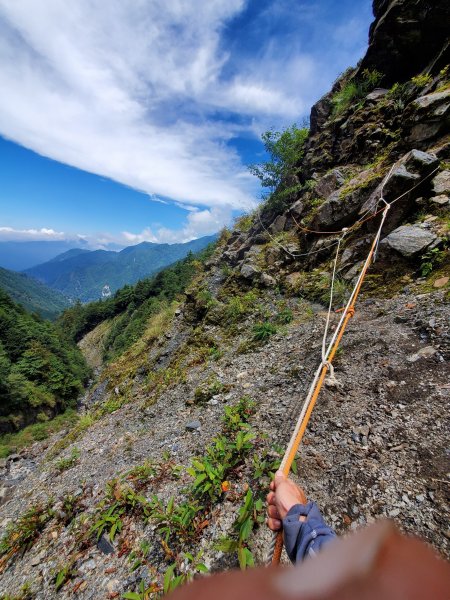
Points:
(329, 183)
(441, 183)
(409, 240)
(406, 37)
(406, 174)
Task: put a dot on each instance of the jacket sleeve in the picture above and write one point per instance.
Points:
(305, 538)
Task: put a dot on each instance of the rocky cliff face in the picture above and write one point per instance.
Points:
(224, 378)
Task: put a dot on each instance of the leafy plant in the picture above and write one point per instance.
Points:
(237, 415)
(430, 260)
(422, 80)
(285, 316)
(250, 514)
(178, 521)
(285, 149)
(144, 592)
(354, 90)
(193, 566)
(64, 575)
(66, 463)
(110, 521)
(21, 533)
(212, 388)
(223, 454)
(263, 331)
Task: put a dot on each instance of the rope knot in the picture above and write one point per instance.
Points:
(351, 311)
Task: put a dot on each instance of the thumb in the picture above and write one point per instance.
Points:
(279, 478)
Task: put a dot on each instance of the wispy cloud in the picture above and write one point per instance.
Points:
(46, 234)
(198, 224)
(132, 91)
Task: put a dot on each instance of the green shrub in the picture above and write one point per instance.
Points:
(263, 331)
(66, 463)
(422, 80)
(354, 90)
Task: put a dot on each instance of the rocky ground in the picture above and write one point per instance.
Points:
(373, 448)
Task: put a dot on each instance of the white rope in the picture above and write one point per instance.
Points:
(325, 363)
(330, 304)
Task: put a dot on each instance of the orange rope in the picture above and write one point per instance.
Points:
(289, 459)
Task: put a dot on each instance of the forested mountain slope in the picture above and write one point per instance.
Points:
(165, 474)
(83, 275)
(33, 295)
(41, 371)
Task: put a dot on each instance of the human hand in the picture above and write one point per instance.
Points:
(284, 495)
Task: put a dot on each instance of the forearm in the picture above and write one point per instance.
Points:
(304, 538)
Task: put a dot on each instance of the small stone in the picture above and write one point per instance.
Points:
(36, 560)
(394, 512)
(441, 200)
(420, 498)
(427, 352)
(441, 282)
(113, 585)
(249, 271)
(105, 546)
(377, 94)
(193, 425)
(441, 183)
(268, 280)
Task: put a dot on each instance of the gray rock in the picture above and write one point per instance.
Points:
(426, 352)
(3, 463)
(441, 200)
(377, 94)
(409, 240)
(406, 173)
(354, 271)
(105, 546)
(268, 280)
(297, 208)
(441, 183)
(278, 225)
(423, 132)
(13, 457)
(329, 183)
(193, 425)
(433, 100)
(249, 271)
(5, 494)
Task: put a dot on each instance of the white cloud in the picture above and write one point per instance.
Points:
(10, 234)
(198, 224)
(131, 91)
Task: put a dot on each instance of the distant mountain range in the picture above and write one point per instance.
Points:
(32, 295)
(90, 274)
(19, 256)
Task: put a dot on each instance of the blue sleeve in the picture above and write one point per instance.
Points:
(305, 538)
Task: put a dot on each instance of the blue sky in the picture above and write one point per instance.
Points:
(123, 122)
